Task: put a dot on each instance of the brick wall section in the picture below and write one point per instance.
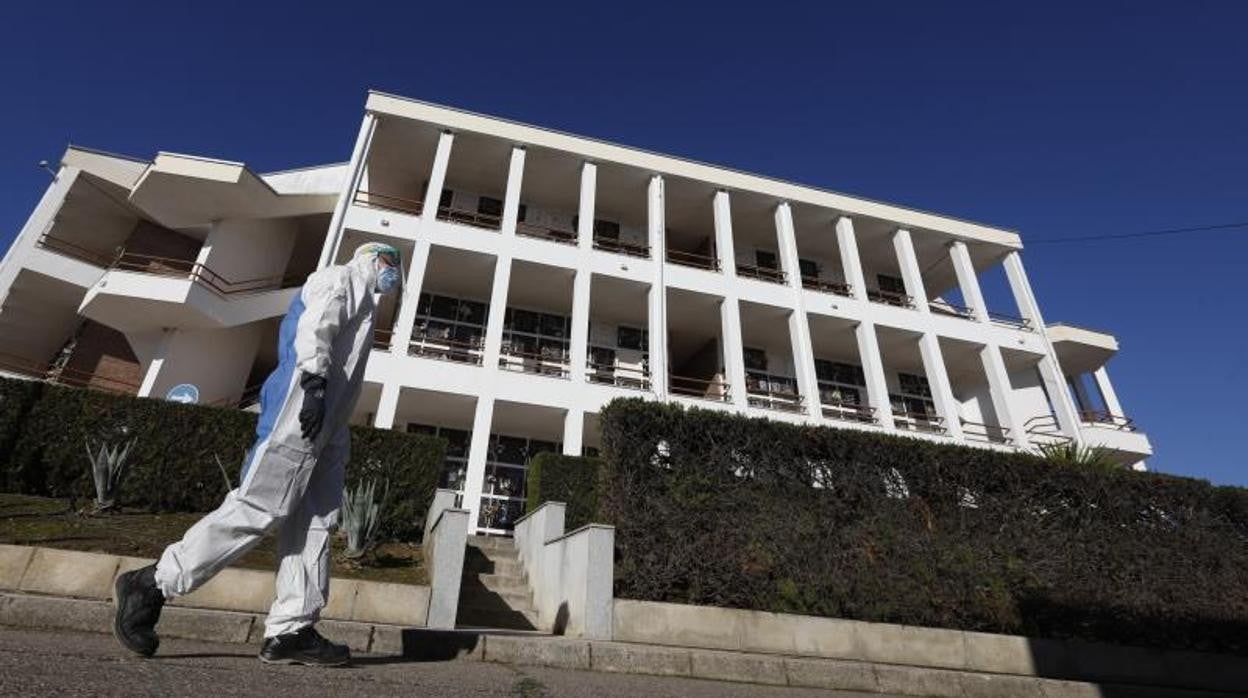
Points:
(153, 240)
(102, 359)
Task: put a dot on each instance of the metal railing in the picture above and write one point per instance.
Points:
(541, 232)
(900, 300)
(202, 275)
(1102, 418)
(944, 307)
(1044, 428)
(810, 283)
(919, 421)
(849, 412)
(447, 349)
(702, 388)
(619, 376)
(692, 259)
(487, 221)
(1010, 320)
(988, 433)
(775, 276)
(780, 400)
(625, 248)
(537, 363)
(389, 202)
(41, 370)
(76, 251)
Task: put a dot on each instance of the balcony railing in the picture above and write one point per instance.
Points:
(1010, 321)
(619, 376)
(389, 202)
(848, 412)
(944, 307)
(810, 283)
(41, 370)
(76, 251)
(202, 275)
(607, 244)
(919, 421)
(693, 259)
(559, 235)
(988, 433)
(538, 363)
(775, 276)
(1101, 418)
(487, 221)
(447, 349)
(702, 388)
(900, 300)
(1045, 429)
(779, 400)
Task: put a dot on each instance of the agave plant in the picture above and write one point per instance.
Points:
(361, 513)
(1073, 455)
(108, 469)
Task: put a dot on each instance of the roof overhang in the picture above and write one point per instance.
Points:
(1080, 350)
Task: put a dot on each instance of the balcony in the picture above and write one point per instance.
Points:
(779, 400)
(1008, 320)
(617, 375)
(811, 283)
(550, 234)
(388, 202)
(1105, 420)
(78, 252)
(893, 298)
(614, 245)
(63, 375)
(202, 275)
(849, 412)
(925, 422)
(443, 348)
(485, 221)
(986, 433)
(700, 388)
(693, 259)
(944, 307)
(775, 276)
(541, 363)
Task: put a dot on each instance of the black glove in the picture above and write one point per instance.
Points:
(312, 413)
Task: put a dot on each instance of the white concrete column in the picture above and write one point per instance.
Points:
(387, 406)
(478, 448)
(359, 156)
(573, 432)
(656, 317)
(938, 381)
(799, 321)
(1021, 289)
(1108, 396)
(1002, 393)
(585, 212)
(968, 280)
(873, 371)
(725, 248)
(402, 337)
(847, 242)
(498, 309)
(579, 341)
(158, 361)
(511, 200)
(437, 176)
(1056, 388)
(733, 352)
(910, 272)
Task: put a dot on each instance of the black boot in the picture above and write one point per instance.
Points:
(139, 602)
(305, 646)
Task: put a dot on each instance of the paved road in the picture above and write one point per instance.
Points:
(81, 664)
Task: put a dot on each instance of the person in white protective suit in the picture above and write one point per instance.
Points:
(293, 476)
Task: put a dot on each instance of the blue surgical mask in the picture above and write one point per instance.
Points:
(387, 279)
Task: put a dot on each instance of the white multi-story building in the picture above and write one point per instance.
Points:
(548, 274)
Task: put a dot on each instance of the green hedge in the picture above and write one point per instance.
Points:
(718, 509)
(16, 399)
(568, 479)
(172, 461)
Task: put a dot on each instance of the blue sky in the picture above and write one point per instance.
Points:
(1055, 119)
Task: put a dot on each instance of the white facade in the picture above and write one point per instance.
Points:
(546, 275)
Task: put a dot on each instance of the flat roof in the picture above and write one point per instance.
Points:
(723, 177)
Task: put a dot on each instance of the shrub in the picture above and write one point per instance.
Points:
(569, 479)
(719, 509)
(16, 399)
(174, 459)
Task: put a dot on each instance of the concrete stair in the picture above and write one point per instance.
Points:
(494, 592)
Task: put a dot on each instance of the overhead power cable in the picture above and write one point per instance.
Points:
(1142, 234)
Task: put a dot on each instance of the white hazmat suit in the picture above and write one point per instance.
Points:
(288, 481)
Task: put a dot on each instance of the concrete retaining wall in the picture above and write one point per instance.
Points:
(446, 536)
(91, 575)
(571, 575)
(884, 643)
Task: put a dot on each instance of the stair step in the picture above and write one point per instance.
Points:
(492, 542)
(477, 560)
(475, 617)
(496, 553)
(501, 583)
(476, 595)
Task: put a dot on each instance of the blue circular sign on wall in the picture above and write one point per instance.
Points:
(184, 393)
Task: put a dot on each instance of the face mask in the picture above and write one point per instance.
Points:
(387, 279)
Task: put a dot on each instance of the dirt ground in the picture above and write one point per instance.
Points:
(49, 523)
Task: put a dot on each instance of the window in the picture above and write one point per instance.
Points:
(891, 284)
(809, 268)
(446, 199)
(537, 338)
(755, 359)
(503, 486)
(487, 206)
(606, 229)
(455, 462)
(441, 320)
(913, 384)
(765, 259)
(839, 383)
(632, 338)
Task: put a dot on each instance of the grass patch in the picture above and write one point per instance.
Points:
(48, 522)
